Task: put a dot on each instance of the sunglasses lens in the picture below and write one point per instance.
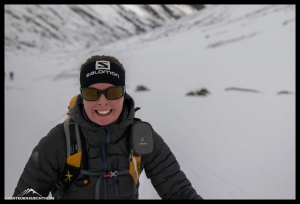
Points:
(89, 94)
(111, 93)
(114, 93)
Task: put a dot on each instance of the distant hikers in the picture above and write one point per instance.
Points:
(11, 75)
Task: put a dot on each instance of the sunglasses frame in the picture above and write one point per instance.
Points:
(104, 92)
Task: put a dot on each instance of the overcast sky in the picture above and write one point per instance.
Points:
(231, 144)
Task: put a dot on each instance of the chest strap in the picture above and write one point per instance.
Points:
(102, 175)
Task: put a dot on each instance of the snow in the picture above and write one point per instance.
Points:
(230, 144)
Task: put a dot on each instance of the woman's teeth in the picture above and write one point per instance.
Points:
(103, 112)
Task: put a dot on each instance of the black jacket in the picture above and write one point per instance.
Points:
(108, 150)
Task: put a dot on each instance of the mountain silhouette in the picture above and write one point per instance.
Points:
(29, 193)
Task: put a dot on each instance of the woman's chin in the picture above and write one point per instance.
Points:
(104, 122)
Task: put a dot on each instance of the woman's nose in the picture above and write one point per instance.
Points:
(102, 100)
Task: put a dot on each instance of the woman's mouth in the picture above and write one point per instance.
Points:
(104, 112)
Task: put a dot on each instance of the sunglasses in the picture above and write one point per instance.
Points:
(111, 93)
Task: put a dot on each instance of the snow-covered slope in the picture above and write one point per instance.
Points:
(34, 27)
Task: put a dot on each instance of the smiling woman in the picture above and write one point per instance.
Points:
(113, 143)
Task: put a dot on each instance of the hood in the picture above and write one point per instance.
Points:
(95, 134)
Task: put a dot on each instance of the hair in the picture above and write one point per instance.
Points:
(103, 57)
(71, 105)
(69, 112)
(69, 117)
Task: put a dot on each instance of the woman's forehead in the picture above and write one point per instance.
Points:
(101, 85)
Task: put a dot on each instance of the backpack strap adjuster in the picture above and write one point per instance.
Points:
(110, 174)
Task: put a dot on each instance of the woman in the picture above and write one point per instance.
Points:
(104, 112)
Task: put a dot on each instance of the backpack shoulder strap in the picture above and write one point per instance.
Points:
(73, 143)
(68, 140)
(74, 154)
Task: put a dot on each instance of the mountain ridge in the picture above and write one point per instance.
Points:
(28, 25)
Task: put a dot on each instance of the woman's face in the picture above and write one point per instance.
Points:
(103, 111)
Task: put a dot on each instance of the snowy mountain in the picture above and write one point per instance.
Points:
(69, 27)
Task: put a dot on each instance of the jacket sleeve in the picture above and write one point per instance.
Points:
(43, 166)
(167, 178)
